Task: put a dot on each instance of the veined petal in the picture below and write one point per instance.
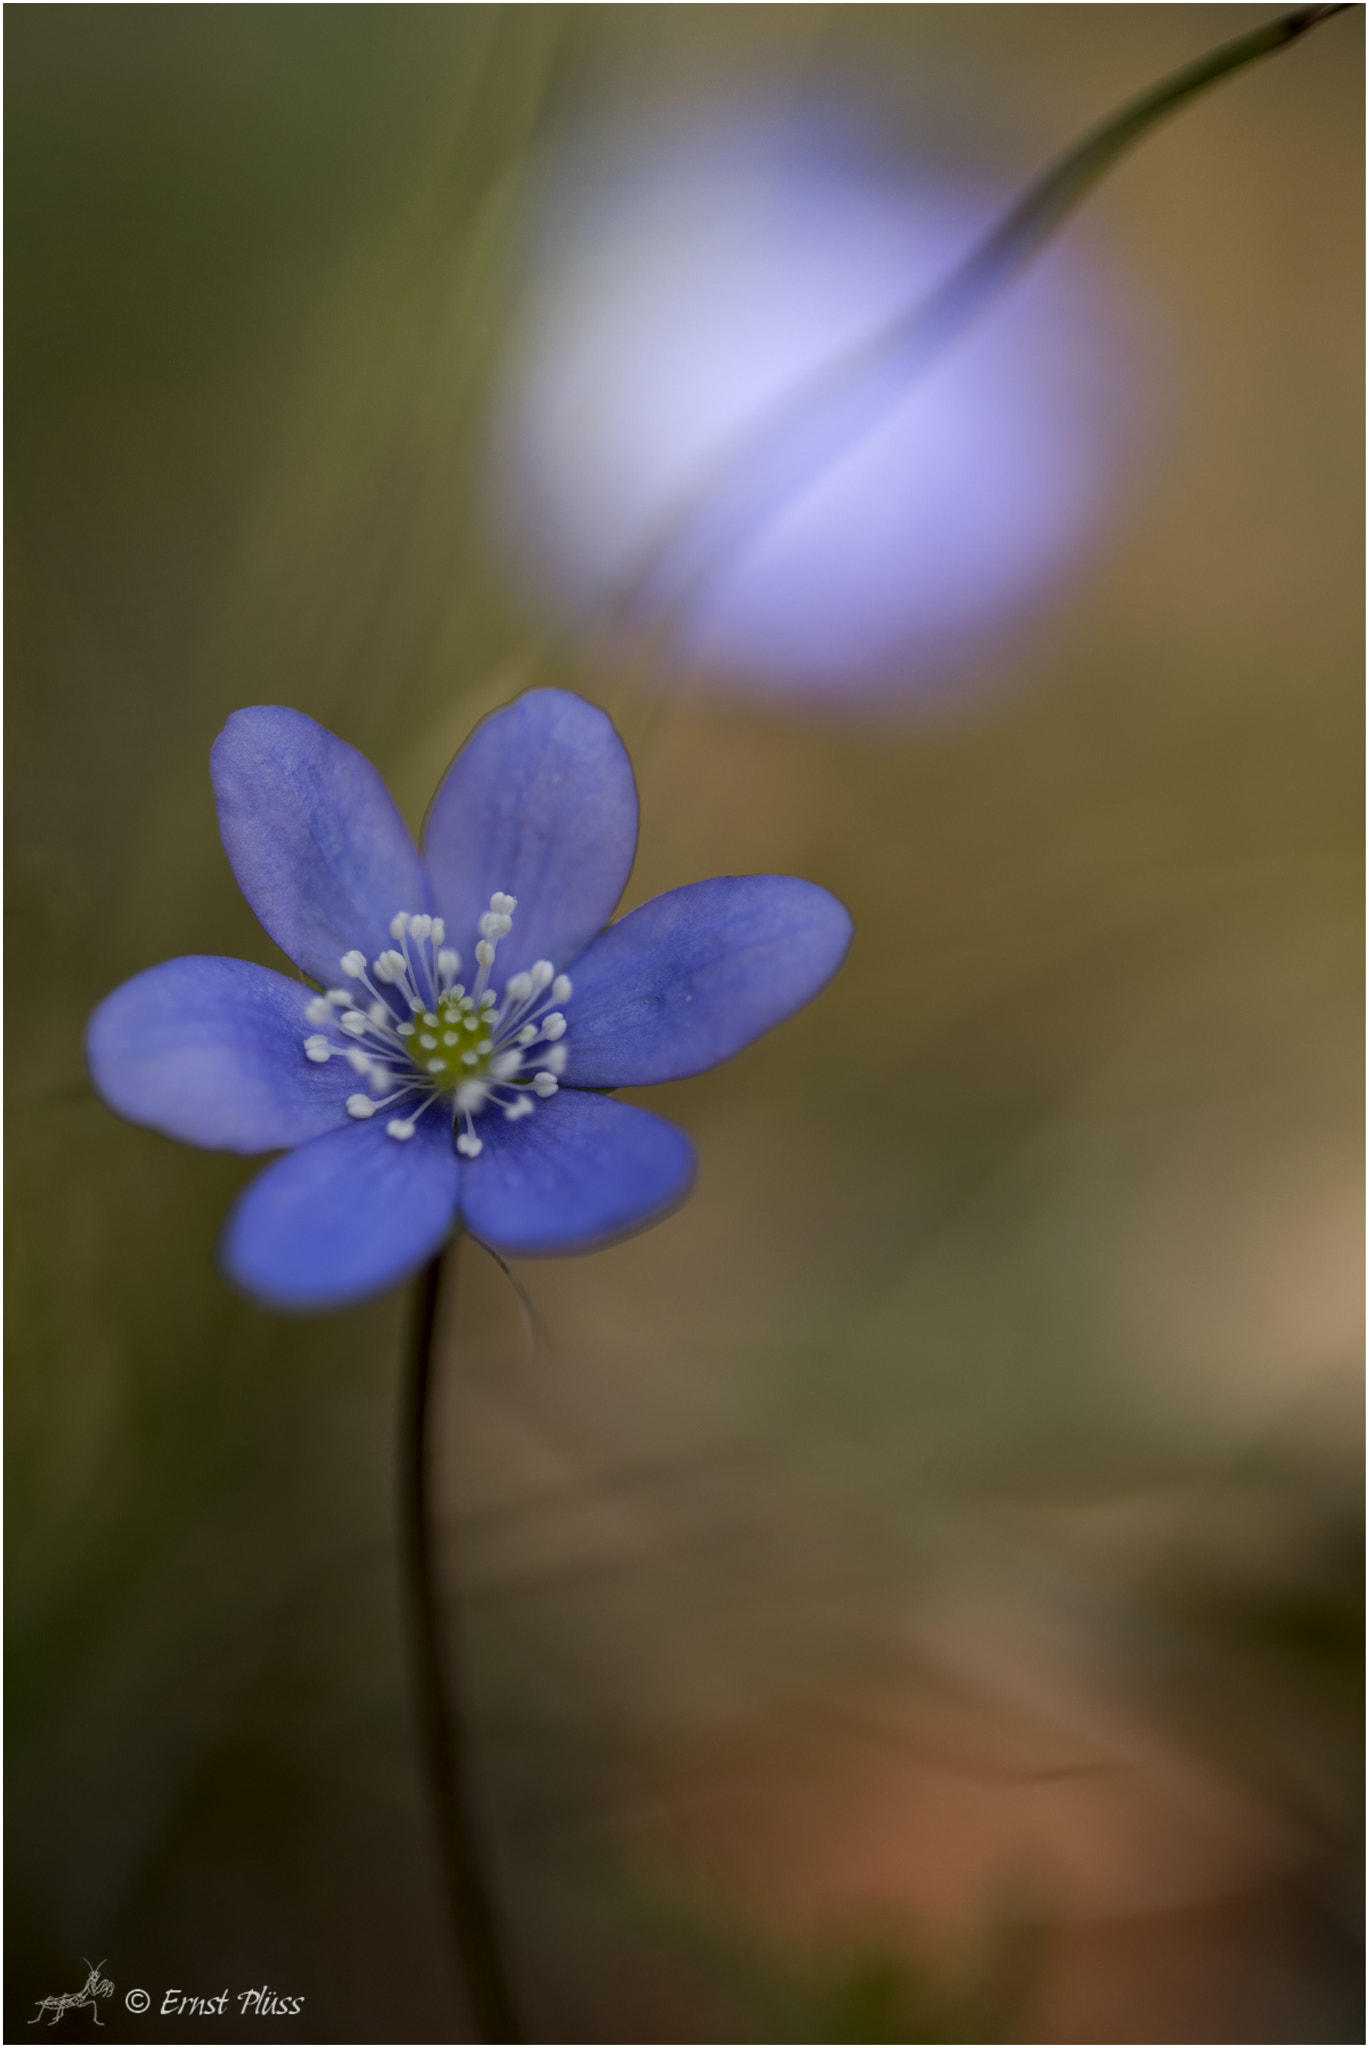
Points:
(691, 977)
(313, 836)
(212, 1051)
(539, 803)
(346, 1216)
(576, 1174)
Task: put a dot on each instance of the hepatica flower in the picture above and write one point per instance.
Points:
(471, 1003)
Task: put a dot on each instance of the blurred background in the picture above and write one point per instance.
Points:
(912, 1594)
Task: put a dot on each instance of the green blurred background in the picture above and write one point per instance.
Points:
(914, 1594)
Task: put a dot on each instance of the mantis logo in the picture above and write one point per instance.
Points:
(95, 1987)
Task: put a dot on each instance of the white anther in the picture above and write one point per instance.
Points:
(353, 963)
(561, 989)
(471, 1094)
(357, 1060)
(554, 1026)
(544, 1083)
(526, 1035)
(360, 1106)
(317, 1048)
(340, 998)
(406, 1030)
(417, 1005)
(426, 1040)
(522, 1105)
(399, 1127)
(495, 925)
(437, 1066)
(354, 1023)
(470, 1059)
(421, 927)
(506, 905)
(448, 962)
(506, 1064)
(488, 1000)
(320, 1011)
(391, 966)
(555, 1060)
(471, 1147)
(381, 968)
(379, 1013)
(399, 924)
(439, 931)
(450, 1038)
(518, 988)
(542, 972)
(484, 951)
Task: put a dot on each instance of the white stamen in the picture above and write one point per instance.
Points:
(497, 1034)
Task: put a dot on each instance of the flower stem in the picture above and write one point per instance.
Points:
(830, 411)
(474, 1929)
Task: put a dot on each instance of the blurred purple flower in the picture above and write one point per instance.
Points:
(682, 291)
(414, 1100)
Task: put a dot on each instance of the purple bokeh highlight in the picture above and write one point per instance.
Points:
(680, 292)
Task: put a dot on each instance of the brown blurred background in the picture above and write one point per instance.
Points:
(914, 1596)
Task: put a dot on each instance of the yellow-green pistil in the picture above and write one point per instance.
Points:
(451, 1043)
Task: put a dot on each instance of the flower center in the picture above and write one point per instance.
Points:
(426, 1037)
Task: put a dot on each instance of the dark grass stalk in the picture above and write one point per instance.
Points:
(474, 1927)
(831, 411)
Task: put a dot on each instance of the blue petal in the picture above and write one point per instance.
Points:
(540, 803)
(693, 976)
(212, 1051)
(577, 1173)
(346, 1216)
(314, 838)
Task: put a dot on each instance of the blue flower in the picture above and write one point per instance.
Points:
(469, 1003)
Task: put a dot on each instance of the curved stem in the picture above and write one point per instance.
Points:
(474, 1928)
(830, 411)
